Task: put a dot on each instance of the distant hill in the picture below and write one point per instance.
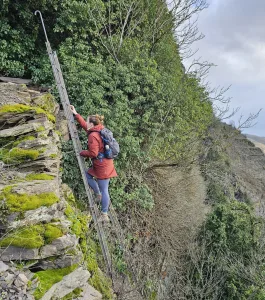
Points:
(256, 138)
(259, 141)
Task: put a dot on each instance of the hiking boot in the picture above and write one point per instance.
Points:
(104, 218)
(97, 198)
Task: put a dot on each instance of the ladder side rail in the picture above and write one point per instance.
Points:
(77, 148)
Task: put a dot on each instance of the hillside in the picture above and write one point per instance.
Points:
(256, 138)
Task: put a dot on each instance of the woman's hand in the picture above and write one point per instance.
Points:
(73, 110)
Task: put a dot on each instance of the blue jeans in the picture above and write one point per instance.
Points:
(100, 186)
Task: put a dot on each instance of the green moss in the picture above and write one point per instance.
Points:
(7, 189)
(89, 247)
(23, 202)
(18, 155)
(49, 277)
(23, 139)
(40, 176)
(75, 293)
(69, 211)
(79, 221)
(7, 144)
(33, 236)
(29, 284)
(42, 150)
(69, 197)
(46, 102)
(53, 155)
(58, 133)
(43, 135)
(97, 280)
(20, 108)
(51, 233)
(29, 237)
(40, 128)
(3, 153)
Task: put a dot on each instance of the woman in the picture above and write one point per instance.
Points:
(103, 168)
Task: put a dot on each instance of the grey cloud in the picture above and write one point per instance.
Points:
(235, 41)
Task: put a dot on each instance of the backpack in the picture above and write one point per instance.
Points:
(111, 146)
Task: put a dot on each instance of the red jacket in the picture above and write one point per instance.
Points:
(103, 168)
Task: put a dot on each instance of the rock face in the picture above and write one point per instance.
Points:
(35, 230)
(76, 279)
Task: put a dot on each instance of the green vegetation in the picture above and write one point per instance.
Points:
(89, 248)
(98, 280)
(40, 176)
(23, 139)
(132, 75)
(226, 263)
(51, 233)
(18, 155)
(46, 102)
(20, 108)
(33, 236)
(49, 278)
(40, 128)
(9, 153)
(23, 202)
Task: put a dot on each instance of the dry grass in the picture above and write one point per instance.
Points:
(161, 236)
(179, 205)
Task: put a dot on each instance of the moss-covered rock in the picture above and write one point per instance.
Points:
(28, 237)
(89, 248)
(18, 155)
(32, 237)
(46, 102)
(49, 277)
(23, 139)
(52, 232)
(20, 108)
(39, 176)
(22, 202)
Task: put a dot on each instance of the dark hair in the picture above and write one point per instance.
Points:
(95, 119)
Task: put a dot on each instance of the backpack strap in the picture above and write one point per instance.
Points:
(100, 154)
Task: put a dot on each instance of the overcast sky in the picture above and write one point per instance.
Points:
(235, 41)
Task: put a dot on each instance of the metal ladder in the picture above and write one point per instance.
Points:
(77, 147)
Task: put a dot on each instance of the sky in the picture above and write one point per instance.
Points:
(235, 41)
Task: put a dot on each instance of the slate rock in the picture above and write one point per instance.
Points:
(3, 267)
(77, 278)
(16, 253)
